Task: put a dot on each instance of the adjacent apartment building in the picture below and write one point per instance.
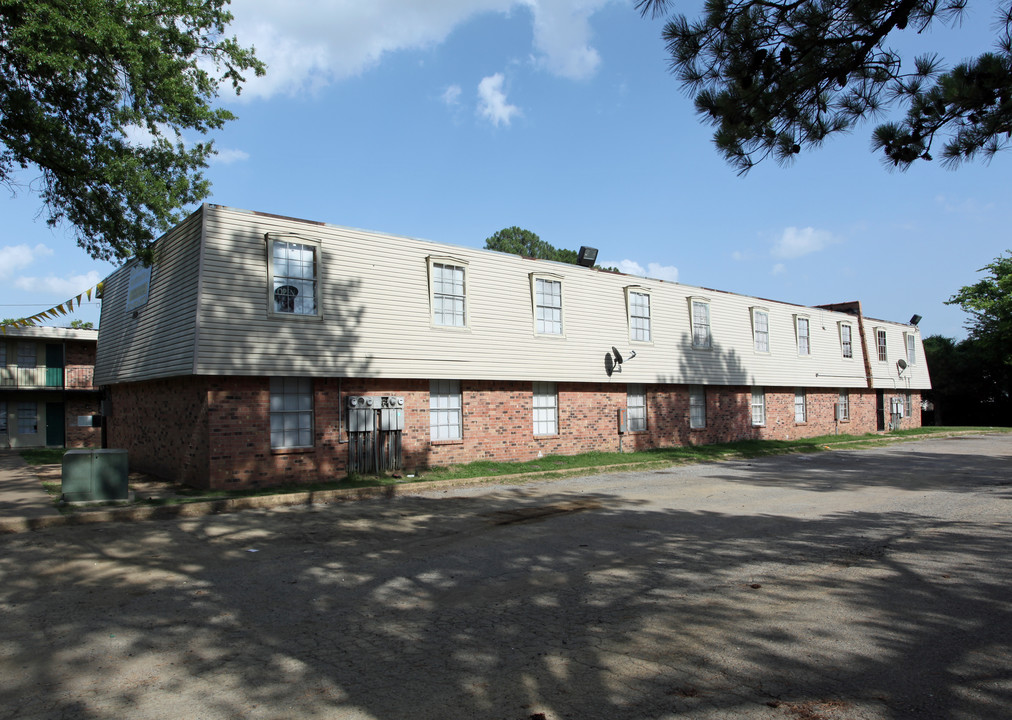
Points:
(259, 349)
(48, 397)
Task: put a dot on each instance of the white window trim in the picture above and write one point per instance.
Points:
(875, 333)
(910, 347)
(850, 328)
(454, 394)
(269, 239)
(636, 390)
(693, 301)
(548, 277)
(800, 393)
(271, 412)
(755, 312)
(432, 260)
(843, 406)
(638, 290)
(546, 389)
(797, 333)
(761, 394)
(697, 391)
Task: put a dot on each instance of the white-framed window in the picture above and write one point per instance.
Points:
(449, 292)
(546, 409)
(699, 319)
(803, 327)
(800, 406)
(445, 410)
(291, 412)
(911, 343)
(636, 405)
(908, 405)
(758, 406)
(547, 306)
(846, 344)
(138, 285)
(3, 416)
(843, 406)
(639, 315)
(28, 418)
(880, 343)
(293, 266)
(27, 355)
(697, 407)
(761, 330)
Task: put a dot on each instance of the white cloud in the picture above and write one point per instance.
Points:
(652, 270)
(492, 101)
(308, 45)
(16, 257)
(228, 156)
(451, 96)
(778, 269)
(70, 286)
(795, 242)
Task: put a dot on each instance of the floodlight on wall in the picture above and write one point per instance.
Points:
(587, 256)
(915, 319)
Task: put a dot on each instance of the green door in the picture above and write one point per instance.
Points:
(55, 436)
(54, 365)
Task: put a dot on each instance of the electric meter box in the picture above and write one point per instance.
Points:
(94, 475)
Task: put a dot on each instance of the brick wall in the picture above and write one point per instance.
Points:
(82, 437)
(163, 425)
(215, 432)
(79, 369)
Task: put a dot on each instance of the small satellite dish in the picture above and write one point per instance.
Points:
(609, 364)
(617, 354)
(901, 364)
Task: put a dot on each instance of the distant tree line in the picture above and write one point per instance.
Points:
(972, 378)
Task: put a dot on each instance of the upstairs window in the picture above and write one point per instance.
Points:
(845, 341)
(880, 342)
(697, 407)
(546, 409)
(449, 298)
(294, 271)
(639, 316)
(911, 348)
(804, 337)
(636, 405)
(700, 321)
(548, 306)
(445, 410)
(27, 355)
(761, 330)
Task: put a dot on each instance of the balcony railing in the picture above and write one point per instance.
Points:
(72, 378)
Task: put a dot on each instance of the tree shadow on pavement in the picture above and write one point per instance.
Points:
(507, 606)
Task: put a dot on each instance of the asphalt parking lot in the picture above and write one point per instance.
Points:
(842, 585)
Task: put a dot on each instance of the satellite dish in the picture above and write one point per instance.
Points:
(618, 356)
(901, 364)
(609, 364)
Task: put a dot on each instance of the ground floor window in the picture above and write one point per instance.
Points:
(908, 405)
(800, 406)
(636, 402)
(843, 406)
(445, 410)
(546, 409)
(3, 416)
(758, 406)
(291, 412)
(697, 407)
(28, 418)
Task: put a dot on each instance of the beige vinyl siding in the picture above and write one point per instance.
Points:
(159, 342)
(374, 299)
(886, 374)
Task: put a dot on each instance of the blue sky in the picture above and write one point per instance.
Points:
(451, 119)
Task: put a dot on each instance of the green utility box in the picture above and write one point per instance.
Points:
(95, 475)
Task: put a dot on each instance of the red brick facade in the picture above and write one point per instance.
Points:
(215, 432)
